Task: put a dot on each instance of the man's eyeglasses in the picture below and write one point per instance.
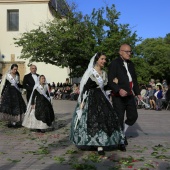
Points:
(127, 52)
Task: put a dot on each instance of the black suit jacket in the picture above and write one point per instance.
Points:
(28, 82)
(118, 70)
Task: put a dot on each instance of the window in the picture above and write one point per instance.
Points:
(13, 20)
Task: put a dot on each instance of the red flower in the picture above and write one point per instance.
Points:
(130, 166)
(134, 160)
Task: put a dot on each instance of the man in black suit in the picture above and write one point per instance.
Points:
(29, 81)
(124, 89)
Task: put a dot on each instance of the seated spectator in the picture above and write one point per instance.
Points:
(66, 93)
(158, 96)
(164, 101)
(152, 101)
(149, 94)
(58, 93)
(164, 83)
(158, 83)
(75, 93)
(67, 83)
(142, 92)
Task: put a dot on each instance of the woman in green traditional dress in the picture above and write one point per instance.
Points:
(94, 121)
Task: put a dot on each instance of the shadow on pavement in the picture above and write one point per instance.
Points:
(133, 131)
(8, 166)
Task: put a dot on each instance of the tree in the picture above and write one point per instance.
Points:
(72, 41)
(155, 53)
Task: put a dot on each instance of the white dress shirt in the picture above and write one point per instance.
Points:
(129, 75)
(34, 76)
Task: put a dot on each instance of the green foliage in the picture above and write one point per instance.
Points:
(59, 159)
(71, 151)
(93, 157)
(41, 151)
(83, 167)
(154, 57)
(72, 41)
(13, 160)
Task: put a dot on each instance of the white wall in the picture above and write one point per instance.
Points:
(52, 73)
(30, 16)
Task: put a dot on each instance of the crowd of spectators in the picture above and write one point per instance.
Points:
(64, 91)
(156, 95)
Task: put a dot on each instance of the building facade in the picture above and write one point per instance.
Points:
(17, 17)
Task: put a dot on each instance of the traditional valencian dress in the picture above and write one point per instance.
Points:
(12, 104)
(42, 116)
(97, 123)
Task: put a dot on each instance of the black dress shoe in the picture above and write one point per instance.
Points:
(38, 130)
(18, 125)
(10, 125)
(122, 147)
(126, 142)
(101, 152)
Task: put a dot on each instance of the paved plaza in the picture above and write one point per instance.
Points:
(149, 145)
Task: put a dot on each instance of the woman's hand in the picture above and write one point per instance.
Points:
(82, 105)
(115, 80)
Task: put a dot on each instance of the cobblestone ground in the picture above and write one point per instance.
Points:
(149, 145)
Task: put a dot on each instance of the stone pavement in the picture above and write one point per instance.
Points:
(149, 145)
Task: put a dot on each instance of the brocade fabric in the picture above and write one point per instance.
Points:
(99, 124)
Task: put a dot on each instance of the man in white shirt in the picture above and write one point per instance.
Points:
(122, 68)
(29, 81)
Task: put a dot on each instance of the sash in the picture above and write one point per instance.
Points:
(13, 82)
(100, 81)
(41, 90)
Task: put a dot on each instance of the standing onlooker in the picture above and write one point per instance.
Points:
(12, 103)
(67, 83)
(123, 92)
(152, 83)
(58, 85)
(53, 85)
(52, 92)
(30, 80)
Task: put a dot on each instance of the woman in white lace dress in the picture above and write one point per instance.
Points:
(40, 113)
